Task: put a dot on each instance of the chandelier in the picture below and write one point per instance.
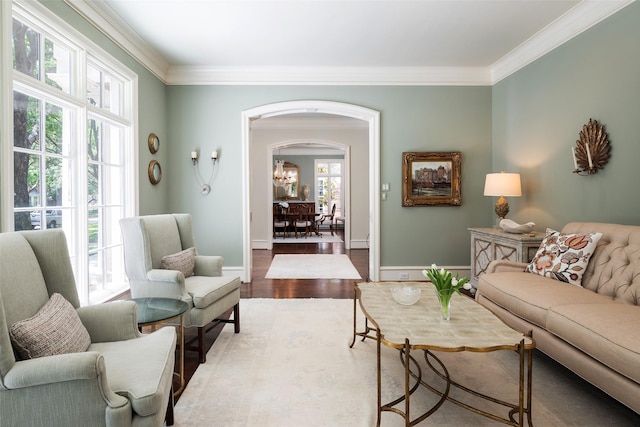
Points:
(279, 177)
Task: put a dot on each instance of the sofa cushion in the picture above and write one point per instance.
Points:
(205, 290)
(183, 261)
(530, 296)
(607, 332)
(140, 369)
(55, 329)
(563, 256)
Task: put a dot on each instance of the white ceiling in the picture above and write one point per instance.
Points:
(341, 42)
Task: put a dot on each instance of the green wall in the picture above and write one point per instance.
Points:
(412, 119)
(539, 111)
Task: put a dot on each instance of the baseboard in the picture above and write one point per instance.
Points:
(414, 273)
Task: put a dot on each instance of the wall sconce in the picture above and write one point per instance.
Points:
(502, 184)
(591, 151)
(205, 186)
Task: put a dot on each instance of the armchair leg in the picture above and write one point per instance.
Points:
(201, 353)
(169, 415)
(236, 318)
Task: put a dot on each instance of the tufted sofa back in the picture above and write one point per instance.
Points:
(614, 268)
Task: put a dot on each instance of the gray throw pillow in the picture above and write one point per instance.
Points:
(54, 329)
(183, 261)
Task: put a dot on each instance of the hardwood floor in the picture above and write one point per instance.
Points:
(286, 288)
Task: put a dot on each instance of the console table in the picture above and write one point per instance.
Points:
(488, 244)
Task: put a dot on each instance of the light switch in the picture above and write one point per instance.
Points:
(385, 187)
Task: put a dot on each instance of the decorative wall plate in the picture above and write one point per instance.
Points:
(155, 172)
(154, 143)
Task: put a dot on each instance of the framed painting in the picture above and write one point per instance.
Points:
(431, 179)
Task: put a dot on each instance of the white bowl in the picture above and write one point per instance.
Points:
(406, 295)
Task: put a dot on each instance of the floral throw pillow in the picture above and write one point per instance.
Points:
(564, 257)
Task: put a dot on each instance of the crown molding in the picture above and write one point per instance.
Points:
(119, 32)
(361, 76)
(580, 18)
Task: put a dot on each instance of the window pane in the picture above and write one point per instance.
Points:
(57, 66)
(94, 86)
(112, 146)
(113, 194)
(112, 94)
(323, 168)
(26, 182)
(26, 121)
(336, 168)
(26, 49)
(321, 196)
(22, 220)
(53, 129)
(94, 138)
(53, 173)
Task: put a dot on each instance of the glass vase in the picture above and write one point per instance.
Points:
(444, 297)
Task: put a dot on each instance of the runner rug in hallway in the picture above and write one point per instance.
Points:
(321, 266)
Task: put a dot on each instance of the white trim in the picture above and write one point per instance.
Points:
(414, 273)
(351, 76)
(326, 107)
(114, 28)
(580, 18)
(6, 117)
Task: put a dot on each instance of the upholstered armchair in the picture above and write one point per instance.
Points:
(153, 240)
(66, 365)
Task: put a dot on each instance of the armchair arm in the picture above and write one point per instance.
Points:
(208, 265)
(162, 284)
(63, 368)
(503, 266)
(113, 321)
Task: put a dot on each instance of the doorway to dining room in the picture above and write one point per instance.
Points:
(256, 164)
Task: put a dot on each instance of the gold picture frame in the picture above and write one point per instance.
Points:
(431, 178)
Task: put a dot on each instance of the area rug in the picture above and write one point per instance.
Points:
(317, 266)
(325, 237)
(291, 366)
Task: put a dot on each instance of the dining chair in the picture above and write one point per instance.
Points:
(304, 220)
(281, 220)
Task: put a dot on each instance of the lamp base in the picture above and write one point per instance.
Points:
(502, 207)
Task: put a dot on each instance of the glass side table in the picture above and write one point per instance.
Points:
(155, 311)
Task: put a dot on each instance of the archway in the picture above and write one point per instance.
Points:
(346, 151)
(372, 117)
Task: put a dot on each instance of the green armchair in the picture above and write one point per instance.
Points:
(148, 242)
(123, 378)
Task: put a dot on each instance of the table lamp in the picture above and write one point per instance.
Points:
(502, 184)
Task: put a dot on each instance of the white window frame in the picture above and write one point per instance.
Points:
(83, 51)
(329, 176)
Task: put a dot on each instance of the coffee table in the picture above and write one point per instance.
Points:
(419, 328)
(155, 311)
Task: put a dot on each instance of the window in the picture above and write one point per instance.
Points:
(73, 147)
(328, 177)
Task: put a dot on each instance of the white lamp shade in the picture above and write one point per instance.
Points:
(502, 184)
